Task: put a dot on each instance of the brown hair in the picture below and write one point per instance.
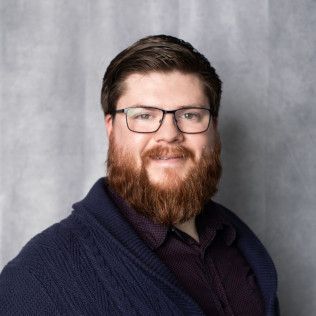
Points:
(162, 53)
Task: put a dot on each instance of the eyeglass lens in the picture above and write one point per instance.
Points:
(146, 120)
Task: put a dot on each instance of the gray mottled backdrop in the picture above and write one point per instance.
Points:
(53, 144)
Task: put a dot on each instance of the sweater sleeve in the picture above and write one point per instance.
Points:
(22, 294)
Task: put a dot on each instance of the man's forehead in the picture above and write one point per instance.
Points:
(159, 88)
(139, 77)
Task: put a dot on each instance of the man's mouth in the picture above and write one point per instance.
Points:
(168, 157)
(168, 161)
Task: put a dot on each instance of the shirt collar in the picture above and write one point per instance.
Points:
(211, 221)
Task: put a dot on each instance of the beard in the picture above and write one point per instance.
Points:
(173, 200)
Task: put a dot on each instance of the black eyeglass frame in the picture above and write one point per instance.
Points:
(163, 116)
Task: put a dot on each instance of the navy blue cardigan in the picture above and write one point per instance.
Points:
(93, 263)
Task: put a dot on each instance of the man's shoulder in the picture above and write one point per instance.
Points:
(46, 246)
(26, 281)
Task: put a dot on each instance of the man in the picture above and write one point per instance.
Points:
(148, 239)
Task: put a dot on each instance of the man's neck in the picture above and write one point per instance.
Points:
(189, 228)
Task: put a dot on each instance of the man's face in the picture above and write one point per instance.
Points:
(166, 175)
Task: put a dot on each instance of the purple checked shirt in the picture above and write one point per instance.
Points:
(213, 271)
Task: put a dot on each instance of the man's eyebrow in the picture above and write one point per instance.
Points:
(193, 106)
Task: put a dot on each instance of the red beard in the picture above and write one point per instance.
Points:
(176, 200)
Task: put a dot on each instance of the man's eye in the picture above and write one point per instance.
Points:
(145, 116)
(191, 116)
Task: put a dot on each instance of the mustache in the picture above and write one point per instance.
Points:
(167, 151)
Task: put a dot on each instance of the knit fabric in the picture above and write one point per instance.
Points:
(93, 263)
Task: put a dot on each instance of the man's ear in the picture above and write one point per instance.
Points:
(108, 120)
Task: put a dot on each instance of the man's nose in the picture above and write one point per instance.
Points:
(168, 130)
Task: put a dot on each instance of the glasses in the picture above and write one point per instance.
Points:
(145, 119)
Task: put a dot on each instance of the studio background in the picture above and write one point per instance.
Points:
(53, 142)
